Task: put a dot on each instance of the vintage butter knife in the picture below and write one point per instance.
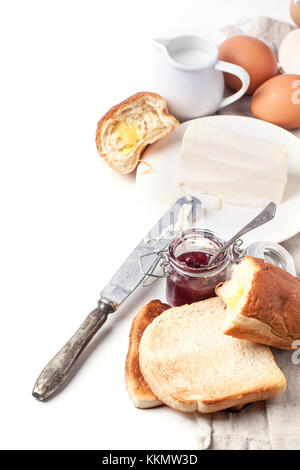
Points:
(123, 283)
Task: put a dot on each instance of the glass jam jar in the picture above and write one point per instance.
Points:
(189, 279)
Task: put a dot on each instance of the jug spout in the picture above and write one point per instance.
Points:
(162, 42)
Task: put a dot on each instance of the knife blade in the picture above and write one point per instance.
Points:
(128, 277)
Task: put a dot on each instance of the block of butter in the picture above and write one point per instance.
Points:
(240, 170)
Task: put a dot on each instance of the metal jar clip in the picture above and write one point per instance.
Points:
(161, 262)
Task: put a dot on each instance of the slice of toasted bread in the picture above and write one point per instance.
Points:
(126, 129)
(263, 304)
(191, 365)
(138, 390)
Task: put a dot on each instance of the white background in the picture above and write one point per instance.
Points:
(67, 220)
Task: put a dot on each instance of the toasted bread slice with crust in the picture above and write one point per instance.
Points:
(126, 129)
(263, 304)
(191, 365)
(138, 390)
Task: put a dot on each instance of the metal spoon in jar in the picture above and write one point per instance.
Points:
(264, 216)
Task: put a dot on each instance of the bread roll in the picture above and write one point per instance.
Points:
(126, 129)
(263, 304)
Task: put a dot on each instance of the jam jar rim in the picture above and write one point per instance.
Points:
(202, 271)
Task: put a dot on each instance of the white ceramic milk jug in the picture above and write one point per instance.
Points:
(190, 76)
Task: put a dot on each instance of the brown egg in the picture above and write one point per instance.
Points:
(278, 101)
(295, 11)
(251, 54)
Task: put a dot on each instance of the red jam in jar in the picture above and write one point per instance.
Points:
(190, 279)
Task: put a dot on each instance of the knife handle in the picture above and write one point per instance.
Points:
(57, 370)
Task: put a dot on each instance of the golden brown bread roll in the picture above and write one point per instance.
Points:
(263, 304)
(126, 129)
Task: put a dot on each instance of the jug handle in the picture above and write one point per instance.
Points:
(239, 72)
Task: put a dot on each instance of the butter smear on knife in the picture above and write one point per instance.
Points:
(240, 170)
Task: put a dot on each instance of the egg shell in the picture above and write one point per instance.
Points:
(289, 56)
(295, 12)
(278, 101)
(251, 54)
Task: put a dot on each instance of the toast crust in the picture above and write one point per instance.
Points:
(138, 390)
(131, 161)
(254, 330)
(271, 312)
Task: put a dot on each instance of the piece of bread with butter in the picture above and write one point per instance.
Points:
(138, 390)
(263, 304)
(126, 129)
(190, 365)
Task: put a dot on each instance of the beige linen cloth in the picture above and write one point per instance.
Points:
(275, 424)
